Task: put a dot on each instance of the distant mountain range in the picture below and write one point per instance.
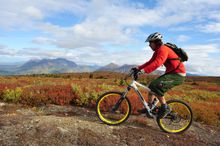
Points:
(47, 66)
(61, 65)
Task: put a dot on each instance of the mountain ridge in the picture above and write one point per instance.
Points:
(62, 65)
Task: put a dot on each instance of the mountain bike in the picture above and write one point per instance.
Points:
(114, 108)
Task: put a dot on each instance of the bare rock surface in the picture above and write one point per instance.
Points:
(54, 125)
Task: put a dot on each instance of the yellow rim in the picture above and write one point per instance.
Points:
(177, 130)
(106, 120)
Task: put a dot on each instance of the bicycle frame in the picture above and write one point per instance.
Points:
(114, 114)
(134, 85)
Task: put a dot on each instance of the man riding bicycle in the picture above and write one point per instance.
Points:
(174, 75)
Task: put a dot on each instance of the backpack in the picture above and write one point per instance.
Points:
(182, 55)
(179, 51)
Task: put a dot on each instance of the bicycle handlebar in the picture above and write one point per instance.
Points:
(131, 74)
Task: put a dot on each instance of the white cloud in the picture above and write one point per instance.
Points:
(201, 60)
(40, 53)
(183, 38)
(33, 12)
(118, 12)
(213, 70)
(119, 57)
(181, 28)
(105, 20)
(211, 27)
(89, 55)
(88, 34)
(105, 23)
(217, 39)
(2, 47)
(202, 49)
(42, 40)
(5, 51)
(8, 53)
(25, 14)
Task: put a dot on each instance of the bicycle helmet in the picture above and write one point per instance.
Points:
(154, 36)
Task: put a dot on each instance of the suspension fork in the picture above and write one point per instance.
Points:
(115, 107)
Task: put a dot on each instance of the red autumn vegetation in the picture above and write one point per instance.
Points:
(83, 89)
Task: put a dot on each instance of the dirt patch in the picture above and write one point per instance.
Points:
(72, 125)
(146, 136)
(89, 138)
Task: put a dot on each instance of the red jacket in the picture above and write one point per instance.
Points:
(160, 57)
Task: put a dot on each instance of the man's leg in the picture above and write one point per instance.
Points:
(162, 100)
(164, 109)
(160, 86)
(151, 97)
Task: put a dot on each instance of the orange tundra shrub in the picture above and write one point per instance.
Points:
(4, 86)
(207, 113)
(61, 94)
(53, 94)
(34, 96)
(209, 88)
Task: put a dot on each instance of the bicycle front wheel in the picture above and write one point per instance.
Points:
(179, 119)
(112, 108)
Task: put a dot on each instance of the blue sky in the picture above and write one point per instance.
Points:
(98, 32)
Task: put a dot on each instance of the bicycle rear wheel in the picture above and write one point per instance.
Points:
(179, 119)
(112, 108)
